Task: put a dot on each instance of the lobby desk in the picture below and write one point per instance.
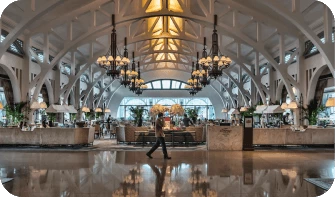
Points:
(224, 137)
(285, 136)
(47, 136)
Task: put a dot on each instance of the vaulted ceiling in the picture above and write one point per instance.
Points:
(165, 34)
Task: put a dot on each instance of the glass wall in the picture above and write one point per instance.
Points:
(206, 109)
(4, 102)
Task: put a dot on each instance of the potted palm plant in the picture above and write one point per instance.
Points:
(137, 114)
(193, 114)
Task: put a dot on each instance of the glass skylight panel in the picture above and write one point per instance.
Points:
(166, 84)
(156, 85)
(13, 48)
(175, 85)
(40, 57)
(2, 38)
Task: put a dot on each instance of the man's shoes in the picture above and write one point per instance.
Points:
(149, 155)
(167, 157)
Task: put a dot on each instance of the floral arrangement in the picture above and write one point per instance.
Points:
(156, 109)
(177, 109)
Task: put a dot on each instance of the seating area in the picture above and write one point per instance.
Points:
(143, 135)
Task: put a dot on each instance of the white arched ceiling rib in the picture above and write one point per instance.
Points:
(204, 20)
(30, 15)
(230, 93)
(14, 82)
(254, 77)
(102, 91)
(296, 17)
(90, 87)
(73, 78)
(91, 6)
(218, 92)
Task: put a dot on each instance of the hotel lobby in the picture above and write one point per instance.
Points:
(240, 93)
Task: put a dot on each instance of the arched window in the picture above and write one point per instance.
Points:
(135, 102)
(203, 105)
(168, 102)
(198, 102)
(166, 84)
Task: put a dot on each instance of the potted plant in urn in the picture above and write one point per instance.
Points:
(51, 118)
(176, 110)
(17, 112)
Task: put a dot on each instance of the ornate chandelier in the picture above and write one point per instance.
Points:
(133, 75)
(139, 82)
(125, 74)
(193, 84)
(113, 60)
(215, 61)
(201, 74)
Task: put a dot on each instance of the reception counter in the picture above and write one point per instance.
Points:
(282, 136)
(47, 136)
(231, 138)
(224, 137)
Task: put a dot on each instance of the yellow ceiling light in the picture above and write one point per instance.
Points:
(154, 5)
(160, 56)
(175, 25)
(171, 56)
(174, 6)
(155, 24)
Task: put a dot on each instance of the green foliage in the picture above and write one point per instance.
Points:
(137, 113)
(99, 114)
(51, 117)
(249, 112)
(17, 112)
(192, 113)
(314, 111)
(73, 116)
(90, 115)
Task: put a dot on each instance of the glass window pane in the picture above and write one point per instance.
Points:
(182, 86)
(156, 84)
(166, 84)
(175, 84)
(149, 86)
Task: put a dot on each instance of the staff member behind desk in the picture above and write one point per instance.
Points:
(187, 121)
(159, 137)
(286, 118)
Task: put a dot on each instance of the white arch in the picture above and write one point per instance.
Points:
(314, 81)
(14, 82)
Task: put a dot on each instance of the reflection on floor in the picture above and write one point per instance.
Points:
(189, 173)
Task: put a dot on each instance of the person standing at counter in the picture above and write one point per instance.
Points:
(187, 121)
(285, 118)
(263, 121)
(109, 122)
(159, 137)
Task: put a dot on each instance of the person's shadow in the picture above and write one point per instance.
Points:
(160, 177)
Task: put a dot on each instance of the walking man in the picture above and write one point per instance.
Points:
(159, 137)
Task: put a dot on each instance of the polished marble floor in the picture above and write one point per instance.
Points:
(188, 174)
